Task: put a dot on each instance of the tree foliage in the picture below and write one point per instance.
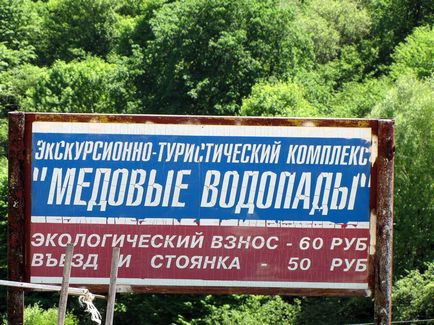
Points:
(91, 85)
(35, 315)
(249, 310)
(334, 23)
(277, 99)
(19, 24)
(413, 295)
(411, 104)
(76, 28)
(334, 310)
(160, 309)
(416, 54)
(357, 99)
(14, 85)
(394, 20)
(204, 56)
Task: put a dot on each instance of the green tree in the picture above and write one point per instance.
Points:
(76, 28)
(318, 89)
(335, 310)
(158, 308)
(413, 295)
(277, 99)
(14, 84)
(340, 32)
(91, 85)
(19, 27)
(416, 54)
(132, 8)
(19, 24)
(204, 56)
(411, 104)
(249, 310)
(393, 21)
(134, 28)
(356, 99)
(35, 315)
(350, 66)
(10, 58)
(332, 24)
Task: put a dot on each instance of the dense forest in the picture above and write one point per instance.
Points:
(318, 58)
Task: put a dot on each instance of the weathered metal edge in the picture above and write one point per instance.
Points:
(384, 247)
(16, 215)
(197, 119)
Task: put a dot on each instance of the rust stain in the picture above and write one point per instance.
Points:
(195, 119)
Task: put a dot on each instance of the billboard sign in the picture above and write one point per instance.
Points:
(202, 204)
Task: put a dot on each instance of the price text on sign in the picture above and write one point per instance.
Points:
(202, 205)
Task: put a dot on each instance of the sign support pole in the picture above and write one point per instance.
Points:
(383, 258)
(112, 288)
(16, 219)
(65, 285)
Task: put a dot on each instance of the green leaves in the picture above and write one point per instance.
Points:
(76, 28)
(413, 295)
(416, 54)
(88, 86)
(35, 315)
(278, 99)
(19, 23)
(411, 103)
(332, 24)
(249, 310)
(356, 99)
(204, 56)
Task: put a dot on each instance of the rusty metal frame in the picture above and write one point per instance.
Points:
(381, 202)
(384, 248)
(16, 215)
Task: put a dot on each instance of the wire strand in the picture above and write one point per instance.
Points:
(400, 322)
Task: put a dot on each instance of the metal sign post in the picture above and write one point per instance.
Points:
(16, 216)
(383, 257)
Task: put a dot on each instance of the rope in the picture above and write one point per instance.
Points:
(87, 299)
